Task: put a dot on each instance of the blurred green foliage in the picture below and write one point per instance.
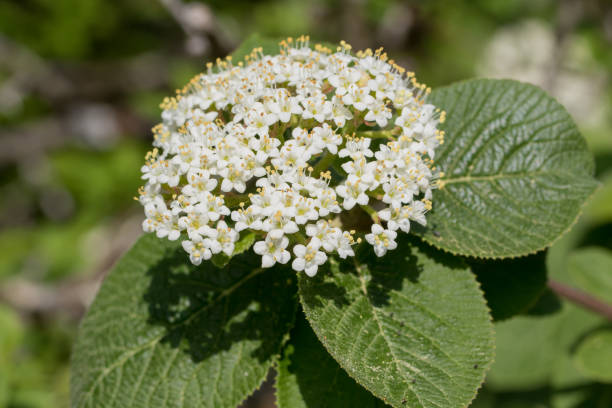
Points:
(63, 192)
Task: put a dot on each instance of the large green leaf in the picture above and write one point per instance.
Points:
(412, 327)
(517, 171)
(308, 377)
(511, 286)
(164, 333)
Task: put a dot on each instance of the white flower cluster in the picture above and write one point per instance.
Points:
(280, 145)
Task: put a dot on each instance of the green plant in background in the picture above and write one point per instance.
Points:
(410, 328)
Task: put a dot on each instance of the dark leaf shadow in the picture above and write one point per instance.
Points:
(320, 287)
(400, 266)
(511, 286)
(547, 304)
(322, 382)
(384, 274)
(206, 310)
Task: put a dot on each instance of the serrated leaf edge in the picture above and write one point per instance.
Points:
(487, 367)
(598, 185)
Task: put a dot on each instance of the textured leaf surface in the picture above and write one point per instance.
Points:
(511, 286)
(412, 327)
(517, 171)
(594, 356)
(308, 377)
(164, 333)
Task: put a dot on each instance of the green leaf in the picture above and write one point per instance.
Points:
(517, 171)
(594, 356)
(308, 377)
(535, 351)
(164, 333)
(511, 286)
(591, 270)
(585, 396)
(269, 46)
(412, 327)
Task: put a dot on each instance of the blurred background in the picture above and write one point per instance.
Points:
(80, 85)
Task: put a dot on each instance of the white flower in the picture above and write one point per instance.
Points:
(383, 86)
(344, 80)
(246, 219)
(396, 219)
(378, 113)
(279, 225)
(258, 120)
(327, 202)
(305, 210)
(197, 251)
(381, 239)
(222, 239)
(272, 251)
(345, 244)
(199, 183)
(214, 207)
(308, 258)
(397, 192)
(360, 170)
(340, 113)
(292, 157)
(327, 138)
(273, 146)
(356, 148)
(284, 105)
(327, 236)
(353, 193)
(358, 97)
(317, 107)
(195, 223)
(235, 175)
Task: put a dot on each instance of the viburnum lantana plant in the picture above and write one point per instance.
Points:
(275, 146)
(298, 221)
